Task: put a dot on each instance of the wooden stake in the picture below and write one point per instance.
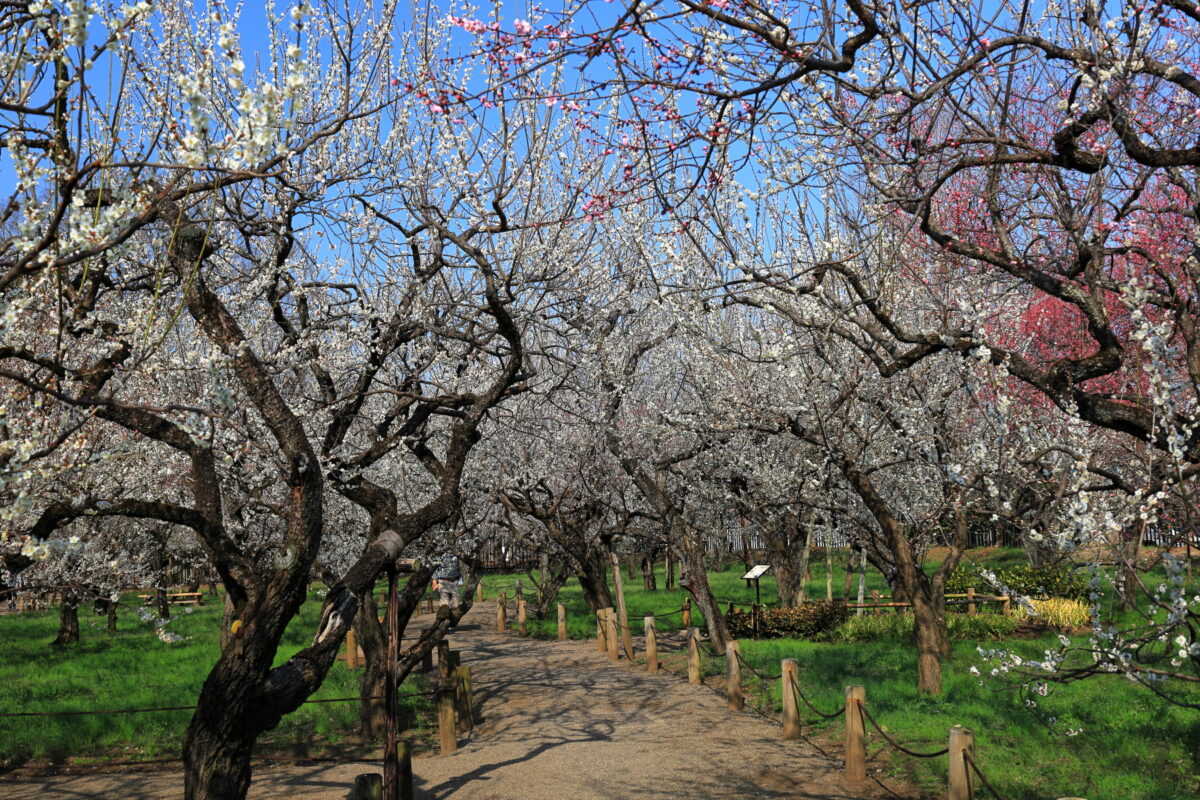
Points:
(600, 643)
(962, 744)
(788, 680)
(500, 613)
(622, 614)
(427, 661)
(610, 633)
(693, 643)
(521, 629)
(479, 591)
(351, 650)
(733, 677)
(651, 644)
(856, 737)
(391, 759)
(687, 613)
(447, 739)
(404, 770)
(971, 600)
(445, 667)
(462, 699)
(562, 622)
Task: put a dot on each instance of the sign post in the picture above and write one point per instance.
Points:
(753, 575)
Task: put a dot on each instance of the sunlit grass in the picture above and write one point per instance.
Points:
(1103, 738)
(134, 669)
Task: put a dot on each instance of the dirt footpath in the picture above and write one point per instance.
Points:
(558, 721)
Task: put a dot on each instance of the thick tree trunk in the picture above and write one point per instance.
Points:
(933, 642)
(68, 620)
(547, 593)
(788, 561)
(698, 587)
(373, 640)
(112, 616)
(160, 600)
(649, 580)
(669, 569)
(593, 579)
(851, 563)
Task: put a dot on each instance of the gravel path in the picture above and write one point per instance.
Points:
(556, 720)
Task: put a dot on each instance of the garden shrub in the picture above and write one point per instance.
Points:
(975, 627)
(1059, 613)
(1055, 581)
(803, 622)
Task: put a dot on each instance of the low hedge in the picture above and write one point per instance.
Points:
(975, 627)
(1056, 581)
(805, 621)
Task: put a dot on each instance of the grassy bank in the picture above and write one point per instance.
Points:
(134, 669)
(1103, 738)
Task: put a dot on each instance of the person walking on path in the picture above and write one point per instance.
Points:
(446, 579)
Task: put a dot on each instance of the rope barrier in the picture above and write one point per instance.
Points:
(867, 717)
(756, 673)
(193, 708)
(105, 766)
(815, 710)
(970, 762)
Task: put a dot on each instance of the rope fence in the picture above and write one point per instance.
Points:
(974, 768)
(963, 771)
(91, 712)
(862, 710)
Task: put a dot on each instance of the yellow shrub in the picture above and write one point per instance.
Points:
(1058, 612)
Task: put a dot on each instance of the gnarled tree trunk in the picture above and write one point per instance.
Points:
(68, 620)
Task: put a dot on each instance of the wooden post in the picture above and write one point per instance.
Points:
(444, 665)
(651, 644)
(1007, 605)
(687, 613)
(622, 613)
(368, 786)
(447, 739)
(462, 699)
(962, 744)
(351, 650)
(856, 736)
(733, 677)
(479, 591)
(875, 600)
(562, 622)
(404, 770)
(500, 613)
(610, 633)
(754, 618)
(693, 644)
(601, 645)
(788, 680)
(391, 746)
(971, 600)
(521, 629)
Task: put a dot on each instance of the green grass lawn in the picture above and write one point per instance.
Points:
(1103, 738)
(134, 669)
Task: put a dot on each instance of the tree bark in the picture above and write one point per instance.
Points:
(699, 588)
(68, 620)
(649, 580)
(593, 579)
